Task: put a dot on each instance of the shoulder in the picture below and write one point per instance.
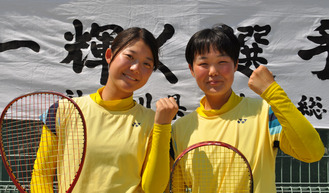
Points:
(254, 102)
(252, 106)
(81, 99)
(145, 111)
(187, 119)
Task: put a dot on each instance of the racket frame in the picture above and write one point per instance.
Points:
(207, 143)
(4, 156)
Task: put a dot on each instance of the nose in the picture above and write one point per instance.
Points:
(213, 70)
(135, 66)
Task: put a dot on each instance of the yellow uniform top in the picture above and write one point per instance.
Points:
(253, 126)
(123, 154)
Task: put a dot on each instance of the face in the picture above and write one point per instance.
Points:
(130, 69)
(214, 73)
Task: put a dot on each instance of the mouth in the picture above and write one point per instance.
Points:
(213, 82)
(130, 77)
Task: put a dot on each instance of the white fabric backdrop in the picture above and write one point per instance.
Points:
(35, 36)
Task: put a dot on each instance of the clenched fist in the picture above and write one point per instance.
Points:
(260, 79)
(166, 109)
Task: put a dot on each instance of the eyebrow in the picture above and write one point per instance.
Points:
(148, 58)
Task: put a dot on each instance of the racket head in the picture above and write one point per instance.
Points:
(211, 166)
(22, 128)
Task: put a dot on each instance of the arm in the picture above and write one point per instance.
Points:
(45, 163)
(298, 137)
(156, 174)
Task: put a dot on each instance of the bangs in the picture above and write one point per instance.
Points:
(209, 41)
(219, 40)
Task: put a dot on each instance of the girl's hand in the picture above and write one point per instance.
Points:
(166, 109)
(260, 79)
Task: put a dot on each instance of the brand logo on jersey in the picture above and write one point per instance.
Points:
(242, 120)
(136, 124)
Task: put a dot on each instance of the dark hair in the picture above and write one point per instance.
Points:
(132, 35)
(220, 37)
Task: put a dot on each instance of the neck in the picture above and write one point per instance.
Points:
(112, 105)
(109, 94)
(216, 101)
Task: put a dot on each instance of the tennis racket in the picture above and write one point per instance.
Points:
(43, 142)
(211, 166)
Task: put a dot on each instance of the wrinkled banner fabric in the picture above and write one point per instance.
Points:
(59, 46)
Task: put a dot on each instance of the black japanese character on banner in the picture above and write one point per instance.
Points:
(323, 42)
(166, 34)
(15, 44)
(311, 107)
(148, 100)
(98, 50)
(251, 53)
(179, 113)
(74, 50)
(71, 94)
(100, 33)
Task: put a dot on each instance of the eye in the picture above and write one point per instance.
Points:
(222, 62)
(129, 56)
(203, 64)
(148, 65)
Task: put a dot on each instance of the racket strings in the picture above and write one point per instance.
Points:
(43, 140)
(211, 168)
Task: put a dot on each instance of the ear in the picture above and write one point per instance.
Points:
(191, 69)
(108, 55)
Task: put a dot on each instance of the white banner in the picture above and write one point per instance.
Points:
(59, 45)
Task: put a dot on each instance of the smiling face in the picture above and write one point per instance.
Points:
(214, 73)
(129, 70)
